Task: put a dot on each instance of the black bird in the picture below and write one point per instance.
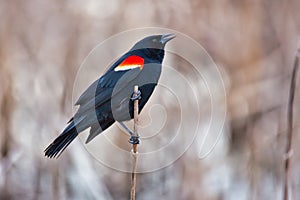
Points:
(110, 98)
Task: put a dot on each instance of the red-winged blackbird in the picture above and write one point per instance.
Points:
(109, 98)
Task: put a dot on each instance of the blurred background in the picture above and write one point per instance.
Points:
(44, 43)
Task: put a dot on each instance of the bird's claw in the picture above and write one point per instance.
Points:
(136, 96)
(134, 139)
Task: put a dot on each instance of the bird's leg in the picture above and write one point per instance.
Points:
(133, 139)
(126, 128)
(135, 96)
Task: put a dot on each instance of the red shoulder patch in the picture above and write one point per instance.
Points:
(131, 62)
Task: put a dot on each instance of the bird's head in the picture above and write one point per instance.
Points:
(153, 42)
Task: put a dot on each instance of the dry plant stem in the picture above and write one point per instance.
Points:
(288, 149)
(134, 146)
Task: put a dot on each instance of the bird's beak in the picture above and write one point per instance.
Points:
(166, 38)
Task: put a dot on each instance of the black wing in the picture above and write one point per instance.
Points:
(103, 89)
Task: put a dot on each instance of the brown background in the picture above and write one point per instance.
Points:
(43, 44)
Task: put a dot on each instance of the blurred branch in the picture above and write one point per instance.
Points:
(7, 107)
(289, 149)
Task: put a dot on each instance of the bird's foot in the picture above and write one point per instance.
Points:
(136, 96)
(134, 139)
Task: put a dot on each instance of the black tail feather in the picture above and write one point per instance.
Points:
(61, 142)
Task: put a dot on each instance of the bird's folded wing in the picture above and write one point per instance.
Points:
(105, 88)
